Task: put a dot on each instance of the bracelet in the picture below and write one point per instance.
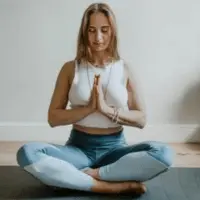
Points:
(114, 114)
(117, 116)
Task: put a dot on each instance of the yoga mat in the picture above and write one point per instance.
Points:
(175, 184)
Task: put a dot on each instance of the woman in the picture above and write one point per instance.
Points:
(103, 99)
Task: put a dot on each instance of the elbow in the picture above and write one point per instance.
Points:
(51, 119)
(142, 124)
(142, 121)
(51, 124)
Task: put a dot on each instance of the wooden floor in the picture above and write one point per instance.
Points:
(186, 155)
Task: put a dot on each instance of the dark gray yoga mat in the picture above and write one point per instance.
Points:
(176, 184)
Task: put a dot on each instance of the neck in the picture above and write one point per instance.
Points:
(99, 58)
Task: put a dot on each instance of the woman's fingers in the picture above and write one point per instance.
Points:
(97, 79)
(94, 82)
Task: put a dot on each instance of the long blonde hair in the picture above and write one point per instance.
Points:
(83, 52)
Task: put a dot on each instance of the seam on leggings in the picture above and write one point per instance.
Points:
(107, 153)
(157, 160)
(162, 171)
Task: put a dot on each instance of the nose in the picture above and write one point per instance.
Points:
(98, 36)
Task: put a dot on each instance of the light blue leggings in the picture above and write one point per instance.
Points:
(62, 165)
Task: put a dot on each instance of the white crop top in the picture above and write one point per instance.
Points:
(112, 77)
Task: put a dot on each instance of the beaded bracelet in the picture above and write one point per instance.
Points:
(114, 114)
(117, 116)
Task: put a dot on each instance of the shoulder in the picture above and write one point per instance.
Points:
(124, 64)
(125, 67)
(68, 69)
(129, 69)
(130, 74)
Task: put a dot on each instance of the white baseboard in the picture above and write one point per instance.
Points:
(173, 133)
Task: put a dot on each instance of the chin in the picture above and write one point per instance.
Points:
(99, 49)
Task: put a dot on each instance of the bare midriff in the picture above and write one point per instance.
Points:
(97, 131)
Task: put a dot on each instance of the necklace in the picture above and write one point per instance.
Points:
(105, 92)
(108, 61)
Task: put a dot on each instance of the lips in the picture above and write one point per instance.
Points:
(95, 43)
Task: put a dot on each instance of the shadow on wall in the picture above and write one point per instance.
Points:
(188, 111)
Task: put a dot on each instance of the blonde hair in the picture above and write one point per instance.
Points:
(83, 53)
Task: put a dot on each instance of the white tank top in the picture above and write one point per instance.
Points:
(112, 77)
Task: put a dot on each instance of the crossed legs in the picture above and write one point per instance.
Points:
(140, 162)
(55, 165)
(121, 170)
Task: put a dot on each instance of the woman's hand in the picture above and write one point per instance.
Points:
(101, 104)
(97, 98)
(93, 97)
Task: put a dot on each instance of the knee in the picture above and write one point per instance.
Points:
(23, 155)
(164, 154)
(167, 155)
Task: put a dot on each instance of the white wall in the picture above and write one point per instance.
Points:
(161, 39)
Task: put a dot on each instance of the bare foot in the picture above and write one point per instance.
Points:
(117, 188)
(114, 187)
(92, 172)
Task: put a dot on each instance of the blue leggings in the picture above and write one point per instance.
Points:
(61, 165)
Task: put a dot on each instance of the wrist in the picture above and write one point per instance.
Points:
(107, 110)
(89, 109)
(113, 113)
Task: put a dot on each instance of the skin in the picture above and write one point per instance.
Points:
(99, 36)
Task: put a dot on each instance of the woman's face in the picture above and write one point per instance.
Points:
(99, 32)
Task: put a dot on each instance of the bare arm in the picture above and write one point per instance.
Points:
(135, 116)
(57, 113)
